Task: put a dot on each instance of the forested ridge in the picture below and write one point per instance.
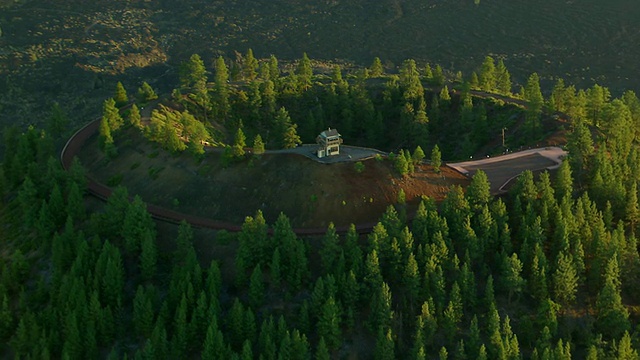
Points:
(549, 271)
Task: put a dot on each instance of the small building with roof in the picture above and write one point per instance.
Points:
(328, 143)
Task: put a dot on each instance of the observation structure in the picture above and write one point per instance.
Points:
(328, 143)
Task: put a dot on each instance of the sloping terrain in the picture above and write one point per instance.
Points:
(310, 193)
(74, 51)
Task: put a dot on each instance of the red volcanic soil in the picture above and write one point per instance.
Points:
(311, 194)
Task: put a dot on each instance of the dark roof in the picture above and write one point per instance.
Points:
(330, 132)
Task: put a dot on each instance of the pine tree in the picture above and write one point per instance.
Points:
(148, 257)
(258, 145)
(330, 252)
(275, 268)
(503, 79)
(411, 279)
(479, 191)
(381, 313)
(146, 93)
(134, 116)
(286, 131)
(105, 137)
(57, 121)
(6, 319)
(239, 143)
(512, 278)
(249, 66)
(192, 72)
(111, 115)
(565, 280)
(563, 181)
(322, 352)
(376, 69)
(384, 345)
(436, 159)
(535, 101)
(329, 324)
(418, 155)
(625, 349)
(120, 96)
(214, 347)
(143, 313)
(632, 209)
(488, 76)
(256, 288)
(304, 73)
(612, 317)
(137, 225)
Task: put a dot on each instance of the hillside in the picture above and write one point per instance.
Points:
(310, 193)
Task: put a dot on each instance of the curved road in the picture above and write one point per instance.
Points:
(75, 144)
(348, 153)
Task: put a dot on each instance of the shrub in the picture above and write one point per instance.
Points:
(359, 166)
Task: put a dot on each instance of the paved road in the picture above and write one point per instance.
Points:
(515, 163)
(347, 153)
(552, 153)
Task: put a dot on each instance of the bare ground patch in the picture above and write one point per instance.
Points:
(310, 193)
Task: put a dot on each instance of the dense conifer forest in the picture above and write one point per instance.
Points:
(548, 271)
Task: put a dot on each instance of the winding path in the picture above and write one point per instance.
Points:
(348, 153)
(76, 142)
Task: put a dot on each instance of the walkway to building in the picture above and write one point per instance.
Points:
(347, 153)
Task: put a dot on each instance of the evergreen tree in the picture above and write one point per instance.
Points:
(6, 319)
(304, 73)
(625, 349)
(146, 93)
(512, 278)
(111, 115)
(274, 69)
(256, 288)
(258, 145)
(381, 313)
(376, 69)
(148, 256)
(329, 324)
(436, 159)
(330, 252)
(120, 95)
(276, 272)
(488, 76)
(322, 352)
(535, 101)
(221, 94)
(478, 192)
(192, 72)
(503, 79)
(286, 131)
(239, 144)
(56, 123)
(384, 345)
(612, 318)
(632, 209)
(143, 313)
(418, 155)
(134, 116)
(249, 66)
(563, 181)
(137, 225)
(565, 280)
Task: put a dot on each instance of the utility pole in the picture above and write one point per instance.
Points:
(503, 129)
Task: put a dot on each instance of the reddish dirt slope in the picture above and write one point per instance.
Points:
(311, 194)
